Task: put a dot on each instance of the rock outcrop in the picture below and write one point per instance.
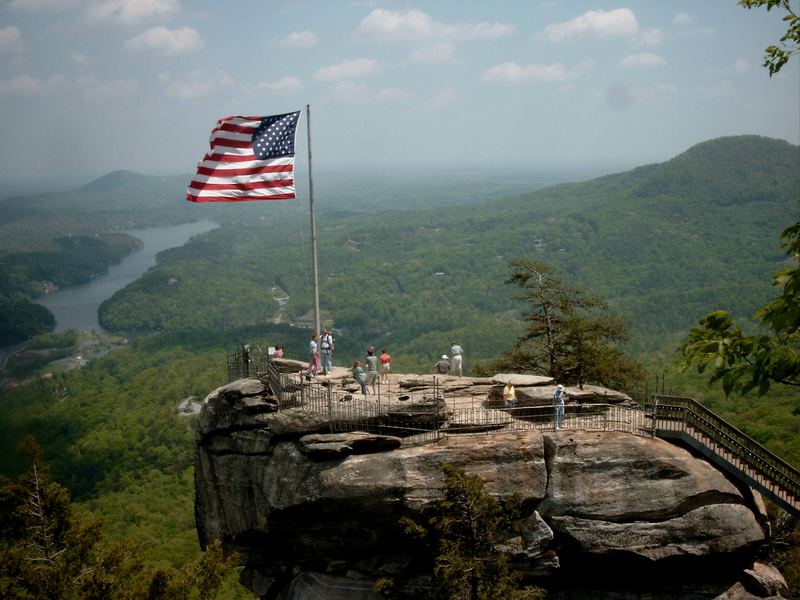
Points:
(312, 512)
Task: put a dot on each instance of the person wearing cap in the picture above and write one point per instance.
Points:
(559, 395)
(456, 352)
(443, 366)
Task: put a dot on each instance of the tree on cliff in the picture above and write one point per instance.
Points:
(50, 552)
(745, 362)
(568, 337)
(466, 526)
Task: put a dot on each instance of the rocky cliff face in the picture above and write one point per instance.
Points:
(315, 514)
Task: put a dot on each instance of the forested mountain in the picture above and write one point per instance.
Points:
(663, 243)
(409, 266)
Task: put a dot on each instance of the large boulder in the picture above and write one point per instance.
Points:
(308, 509)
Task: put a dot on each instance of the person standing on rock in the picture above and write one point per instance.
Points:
(313, 357)
(358, 375)
(456, 352)
(559, 395)
(372, 368)
(386, 365)
(326, 344)
(443, 365)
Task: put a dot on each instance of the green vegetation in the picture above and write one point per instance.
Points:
(663, 244)
(59, 263)
(744, 362)
(568, 336)
(50, 552)
(465, 529)
(775, 57)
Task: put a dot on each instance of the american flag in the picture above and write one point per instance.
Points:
(251, 158)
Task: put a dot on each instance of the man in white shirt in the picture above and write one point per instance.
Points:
(456, 352)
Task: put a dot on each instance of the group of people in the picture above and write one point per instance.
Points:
(320, 355)
(559, 398)
(378, 368)
(452, 364)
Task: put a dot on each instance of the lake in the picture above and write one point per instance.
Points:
(76, 307)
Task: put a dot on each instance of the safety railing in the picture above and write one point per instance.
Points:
(426, 416)
(675, 417)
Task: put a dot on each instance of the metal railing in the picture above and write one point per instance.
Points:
(247, 361)
(685, 419)
(419, 417)
(425, 416)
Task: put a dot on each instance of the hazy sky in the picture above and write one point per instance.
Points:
(89, 86)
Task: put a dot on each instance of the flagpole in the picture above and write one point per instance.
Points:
(313, 226)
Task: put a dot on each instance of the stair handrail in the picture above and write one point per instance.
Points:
(749, 451)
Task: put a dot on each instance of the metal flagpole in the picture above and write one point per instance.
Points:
(313, 226)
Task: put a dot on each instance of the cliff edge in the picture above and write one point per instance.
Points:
(608, 514)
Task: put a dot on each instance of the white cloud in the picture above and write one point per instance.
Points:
(43, 4)
(25, 85)
(642, 59)
(597, 23)
(10, 39)
(113, 91)
(348, 69)
(415, 24)
(511, 71)
(284, 85)
(299, 39)
(443, 99)
(168, 41)
(741, 66)
(435, 53)
(392, 95)
(350, 90)
(682, 19)
(198, 84)
(650, 37)
(79, 58)
(130, 11)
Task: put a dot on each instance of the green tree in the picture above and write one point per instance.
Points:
(566, 338)
(49, 552)
(467, 525)
(776, 56)
(745, 362)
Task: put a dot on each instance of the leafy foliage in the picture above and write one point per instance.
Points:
(466, 527)
(745, 362)
(775, 57)
(565, 338)
(49, 552)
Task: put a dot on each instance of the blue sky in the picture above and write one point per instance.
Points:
(90, 86)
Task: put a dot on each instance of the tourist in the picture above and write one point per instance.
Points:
(559, 395)
(509, 396)
(386, 365)
(358, 375)
(372, 368)
(456, 352)
(442, 366)
(313, 357)
(278, 352)
(326, 343)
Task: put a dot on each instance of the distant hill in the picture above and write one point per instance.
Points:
(663, 243)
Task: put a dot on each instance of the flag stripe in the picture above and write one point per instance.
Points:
(232, 172)
(240, 185)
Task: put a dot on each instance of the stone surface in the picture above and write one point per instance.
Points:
(310, 510)
(521, 380)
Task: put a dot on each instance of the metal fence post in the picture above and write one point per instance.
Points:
(655, 416)
(330, 409)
